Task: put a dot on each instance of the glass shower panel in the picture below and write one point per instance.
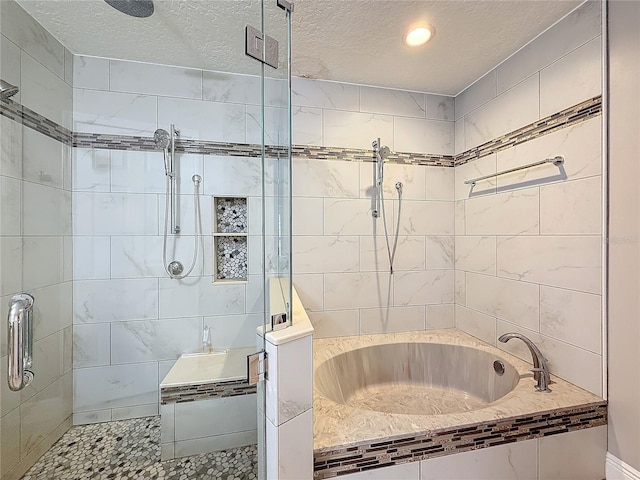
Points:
(277, 163)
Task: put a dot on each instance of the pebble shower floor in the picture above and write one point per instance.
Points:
(130, 449)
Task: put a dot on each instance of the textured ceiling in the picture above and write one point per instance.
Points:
(357, 41)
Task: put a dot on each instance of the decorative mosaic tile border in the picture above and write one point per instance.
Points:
(565, 118)
(203, 391)
(330, 463)
(35, 121)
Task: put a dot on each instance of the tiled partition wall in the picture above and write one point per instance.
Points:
(35, 234)
(529, 244)
(131, 321)
(340, 261)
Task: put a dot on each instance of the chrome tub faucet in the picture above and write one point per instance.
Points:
(540, 368)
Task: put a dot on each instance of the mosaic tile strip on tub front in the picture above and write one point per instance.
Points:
(34, 121)
(333, 462)
(202, 391)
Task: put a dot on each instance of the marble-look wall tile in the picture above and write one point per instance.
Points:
(275, 122)
(23, 30)
(353, 217)
(306, 125)
(441, 316)
(516, 302)
(152, 79)
(321, 94)
(575, 29)
(588, 445)
(86, 418)
(460, 285)
(11, 256)
(459, 145)
(477, 324)
(45, 92)
(480, 92)
(440, 252)
(510, 213)
(93, 254)
(187, 216)
(334, 323)
(571, 207)
(114, 214)
(52, 310)
(43, 412)
(392, 102)
(10, 69)
(460, 219)
(136, 411)
(42, 159)
(150, 340)
(11, 206)
(97, 388)
(392, 319)
(233, 331)
(46, 210)
(231, 88)
(411, 176)
(143, 172)
(515, 461)
(426, 218)
(42, 261)
(192, 297)
(573, 317)
(310, 288)
(10, 440)
(580, 144)
(440, 182)
(572, 79)
(90, 72)
(478, 168)
(440, 107)
(420, 288)
(206, 418)
(232, 176)
(307, 216)
(202, 120)
(292, 360)
(11, 145)
(410, 253)
(91, 170)
(513, 109)
(356, 130)
(114, 113)
(91, 345)
(49, 362)
(295, 447)
(578, 366)
(325, 254)
(423, 136)
(96, 301)
(356, 290)
(569, 262)
(405, 471)
(325, 178)
(476, 254)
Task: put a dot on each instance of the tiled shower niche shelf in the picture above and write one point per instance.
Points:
(230, 230)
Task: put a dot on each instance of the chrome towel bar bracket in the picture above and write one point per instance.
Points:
(20, 339)
(557, 161)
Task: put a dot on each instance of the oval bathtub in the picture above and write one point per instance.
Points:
(415, 378)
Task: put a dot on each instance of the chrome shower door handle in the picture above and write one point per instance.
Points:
(20, 340)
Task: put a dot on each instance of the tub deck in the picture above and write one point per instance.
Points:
(349, 440)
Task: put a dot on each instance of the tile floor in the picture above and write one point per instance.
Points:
(130, 449)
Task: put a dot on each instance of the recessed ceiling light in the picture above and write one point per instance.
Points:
(419, 35)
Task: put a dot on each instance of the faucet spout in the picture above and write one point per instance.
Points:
(540, 368)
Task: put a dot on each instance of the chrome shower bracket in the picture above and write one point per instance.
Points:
(173, 193)
(377, 178)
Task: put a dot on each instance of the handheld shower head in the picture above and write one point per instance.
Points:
(7, 90)
(384, 152)
(162, 138)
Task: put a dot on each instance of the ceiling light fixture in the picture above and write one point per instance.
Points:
(419, 35)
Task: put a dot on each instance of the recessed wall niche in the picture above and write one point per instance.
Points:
(230, 229)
